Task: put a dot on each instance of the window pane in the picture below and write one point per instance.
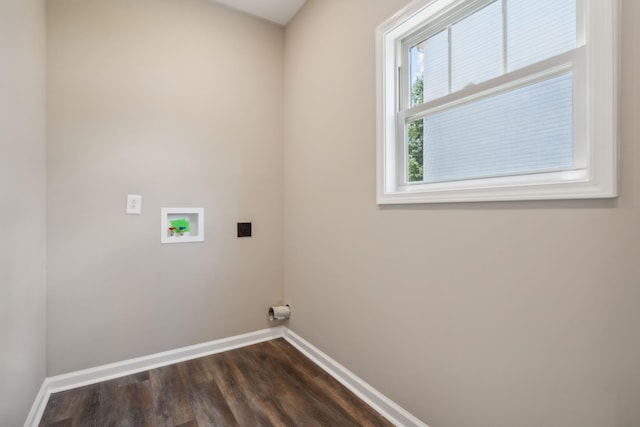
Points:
(415, 140)
(540, 29)
(430, 69)
(476, 47)
(526, 130)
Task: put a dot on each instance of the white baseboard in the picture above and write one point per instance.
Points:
(39, 404)
(140, 364)
(144, 363)
(385, 406)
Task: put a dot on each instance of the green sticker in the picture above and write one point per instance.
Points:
(181, 225)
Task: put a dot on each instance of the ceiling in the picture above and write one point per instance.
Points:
(278, 11)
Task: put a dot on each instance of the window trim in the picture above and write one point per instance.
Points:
(597, 180)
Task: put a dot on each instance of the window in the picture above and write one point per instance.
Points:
(482, 100)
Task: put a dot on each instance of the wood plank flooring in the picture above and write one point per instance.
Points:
(267, 384)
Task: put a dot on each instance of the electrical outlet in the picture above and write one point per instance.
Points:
(134, 204)
(244, 229)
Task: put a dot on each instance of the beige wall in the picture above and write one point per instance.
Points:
(488, 314)
(22, 207)
(471, 315)
(181, 102)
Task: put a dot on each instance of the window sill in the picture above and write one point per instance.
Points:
(549, 186)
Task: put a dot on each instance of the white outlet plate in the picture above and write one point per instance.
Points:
(134, 204)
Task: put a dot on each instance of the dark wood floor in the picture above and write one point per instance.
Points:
(267, 384)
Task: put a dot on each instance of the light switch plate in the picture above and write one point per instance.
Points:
(134, 204)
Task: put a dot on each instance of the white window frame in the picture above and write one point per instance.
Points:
(595, 114)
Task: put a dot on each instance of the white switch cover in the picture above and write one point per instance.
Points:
(134, 204)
